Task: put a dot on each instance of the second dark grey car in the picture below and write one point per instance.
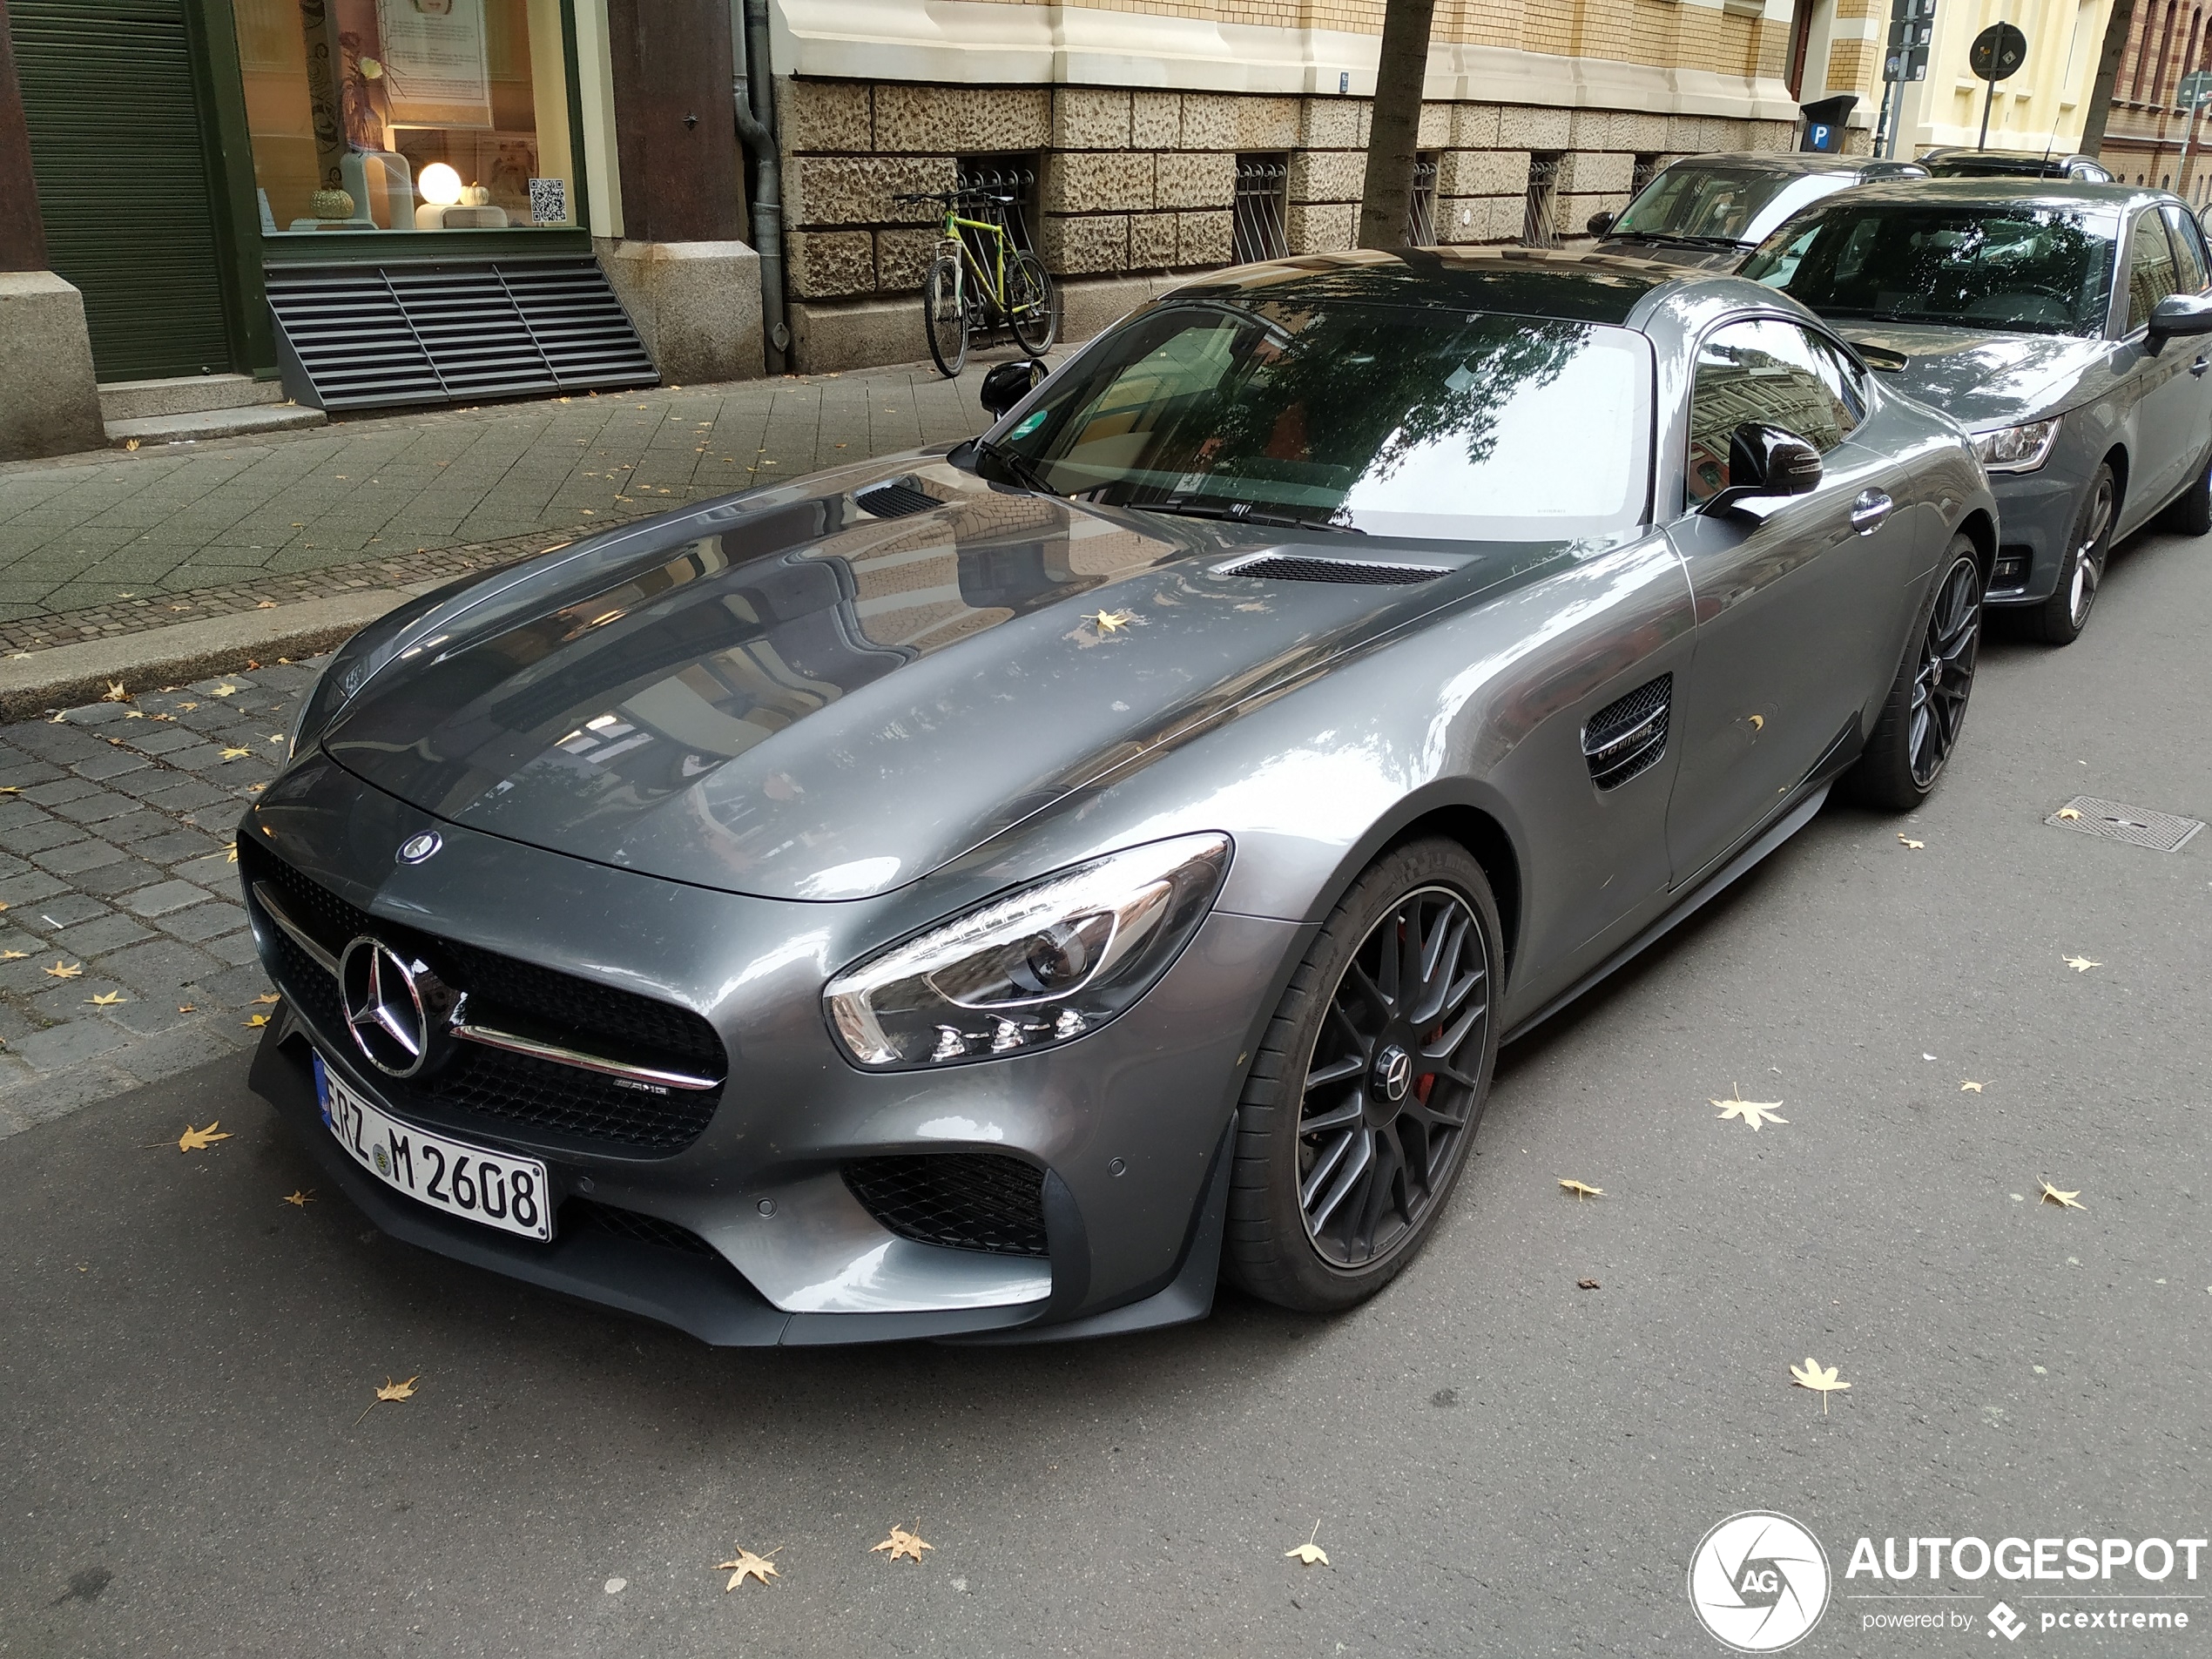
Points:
(987, 892)
(2063, 324)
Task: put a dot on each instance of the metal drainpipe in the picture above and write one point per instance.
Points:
(759, 135)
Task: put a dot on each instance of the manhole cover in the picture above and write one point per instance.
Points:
(2115, 821)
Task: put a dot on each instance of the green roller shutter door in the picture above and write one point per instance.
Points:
(118, 145)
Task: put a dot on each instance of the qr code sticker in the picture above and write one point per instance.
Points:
(549, 201)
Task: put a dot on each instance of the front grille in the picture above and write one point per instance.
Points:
(962, 1200)
(488, 1088)
(897, 499)
(1284, 567)
(1627, 736)
(583, 1214)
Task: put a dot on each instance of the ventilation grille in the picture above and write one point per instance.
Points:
(375, 336)
(1627, 736)
(489, 1089)
(897, 499)
(583, 1214)
(962, 1200)
(1283, 567)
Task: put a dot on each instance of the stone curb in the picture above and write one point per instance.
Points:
(69, 675)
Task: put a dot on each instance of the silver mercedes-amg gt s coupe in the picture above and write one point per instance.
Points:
(992, 892)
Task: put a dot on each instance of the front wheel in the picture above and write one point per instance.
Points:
(1364, 1096)
(2066, 613)
(1031, 306)
(2190, 513)
(944, 314)
(1926, 707)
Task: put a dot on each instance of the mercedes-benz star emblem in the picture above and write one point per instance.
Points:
(384, 1007)
(416, 848)
(1393, 1073)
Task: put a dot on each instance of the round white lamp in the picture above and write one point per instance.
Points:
(439, 186)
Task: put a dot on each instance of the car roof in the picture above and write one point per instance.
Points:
(2016, 158)
(1521, 281)
(1782, 161)
(2054, 192)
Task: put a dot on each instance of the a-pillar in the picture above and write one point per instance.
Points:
(50, 399)
(689, 283)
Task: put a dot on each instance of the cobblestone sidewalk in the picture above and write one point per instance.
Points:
(124, 954)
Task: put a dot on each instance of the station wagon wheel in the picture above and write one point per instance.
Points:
(2066, 613)
(1948, 649)
(1364, 1095)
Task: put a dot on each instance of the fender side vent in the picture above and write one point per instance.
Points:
(1285, 567)
(962, 1200)
(1627, 736)
(897, 499)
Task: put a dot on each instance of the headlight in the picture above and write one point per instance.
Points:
(1033, 969)
(2017, 449)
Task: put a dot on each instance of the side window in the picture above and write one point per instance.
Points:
(1765, 371)
(2188, 248)
(2151, 276)
(1845, 380)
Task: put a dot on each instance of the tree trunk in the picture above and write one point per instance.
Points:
(1395, 132)
(2116, 47)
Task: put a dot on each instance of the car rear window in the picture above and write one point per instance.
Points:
(2017, 266)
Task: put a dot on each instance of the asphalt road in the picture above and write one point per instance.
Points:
(1500, 1463)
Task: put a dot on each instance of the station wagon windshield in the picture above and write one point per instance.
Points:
(2015, 266)
(1344, 417)
(1703, 203)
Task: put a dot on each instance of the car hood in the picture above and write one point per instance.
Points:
(813, 701)
(1986, 378)
(1696, 259)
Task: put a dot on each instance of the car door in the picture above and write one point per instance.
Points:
(2159, 389)
(2193, 275)
(1779, 671)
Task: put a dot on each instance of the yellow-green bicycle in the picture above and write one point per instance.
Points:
(967, 294)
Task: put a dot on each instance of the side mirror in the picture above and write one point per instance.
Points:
(1599, 224)
(2181, 314)
(1008, 384)
(1766, 460)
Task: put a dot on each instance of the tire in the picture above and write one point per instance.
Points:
(2190, 512)
(944, 314)
(1033, 309)
(2066, 613)
(1338, 1181)
(1926, 707)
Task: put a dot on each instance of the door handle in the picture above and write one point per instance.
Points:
(1869, 510)
(2200, 365)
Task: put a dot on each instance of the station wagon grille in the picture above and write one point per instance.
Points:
(962, 1200)
(491, 1089)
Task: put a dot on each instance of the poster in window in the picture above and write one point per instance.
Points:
(435, 65)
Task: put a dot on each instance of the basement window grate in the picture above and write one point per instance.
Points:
(356, 337)
(1421, 204)
(2112, 820)
(1282, 567)
(1259, 221)
(1627, 736)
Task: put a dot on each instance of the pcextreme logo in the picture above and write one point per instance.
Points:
(1758, 1581)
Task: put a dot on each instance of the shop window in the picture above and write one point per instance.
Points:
(408, 115)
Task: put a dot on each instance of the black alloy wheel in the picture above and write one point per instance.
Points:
(1946, 680)
(2066, 613)
(1364, 1097)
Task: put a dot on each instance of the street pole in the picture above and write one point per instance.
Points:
(1988, 97)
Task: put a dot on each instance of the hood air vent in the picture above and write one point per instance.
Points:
(1288, 567)
(1628, 735)
(897, 499)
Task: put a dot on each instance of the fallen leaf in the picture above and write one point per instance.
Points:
(2081, 964)
(130, 443)
(12, 789)
(2064, 1200)
(105, 1000)
(1758, 722)
(1108, 621)
(299, 1200)
(13, 955)
(236, 754)
(136, 714)
(748, 1564)
(224, 690)
(1753, 1112)
(1967, 1087)
(1587, 1284)
(1822, 1381)
(1909, 841)
(268, 996)
(187, 1008)
(233, 851)
(267, 604)
(2068, 813)
(1309, 1552)
(199, 1140)
(114, 693)
(1579, 1190)
(902, 1543)
(390, 1390)
(188, 707)
(62, 970)
(257, 1022)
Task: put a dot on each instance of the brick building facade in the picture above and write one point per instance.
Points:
(2148, 136)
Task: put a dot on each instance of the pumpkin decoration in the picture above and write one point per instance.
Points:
(476, 196)
(332, 204)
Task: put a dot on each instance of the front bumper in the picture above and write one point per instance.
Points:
(2035, 515)
(1130, 1127)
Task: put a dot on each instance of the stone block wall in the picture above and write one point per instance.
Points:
(1138, 186)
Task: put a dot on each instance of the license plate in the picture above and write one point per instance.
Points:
(494, 1188)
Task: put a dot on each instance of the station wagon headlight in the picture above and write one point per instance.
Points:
(1031, 970)
(2017, 449)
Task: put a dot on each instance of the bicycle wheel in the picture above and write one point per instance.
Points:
(1032, 307)
(944, 314)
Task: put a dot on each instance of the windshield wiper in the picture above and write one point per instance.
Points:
(1023, 470)
(1239, 514)
(1679, 240)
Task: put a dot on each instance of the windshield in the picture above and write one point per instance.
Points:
(1701, 202)
(2017, 267)
(1371, 418)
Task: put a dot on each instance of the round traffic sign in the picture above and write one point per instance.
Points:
(1998, 52)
